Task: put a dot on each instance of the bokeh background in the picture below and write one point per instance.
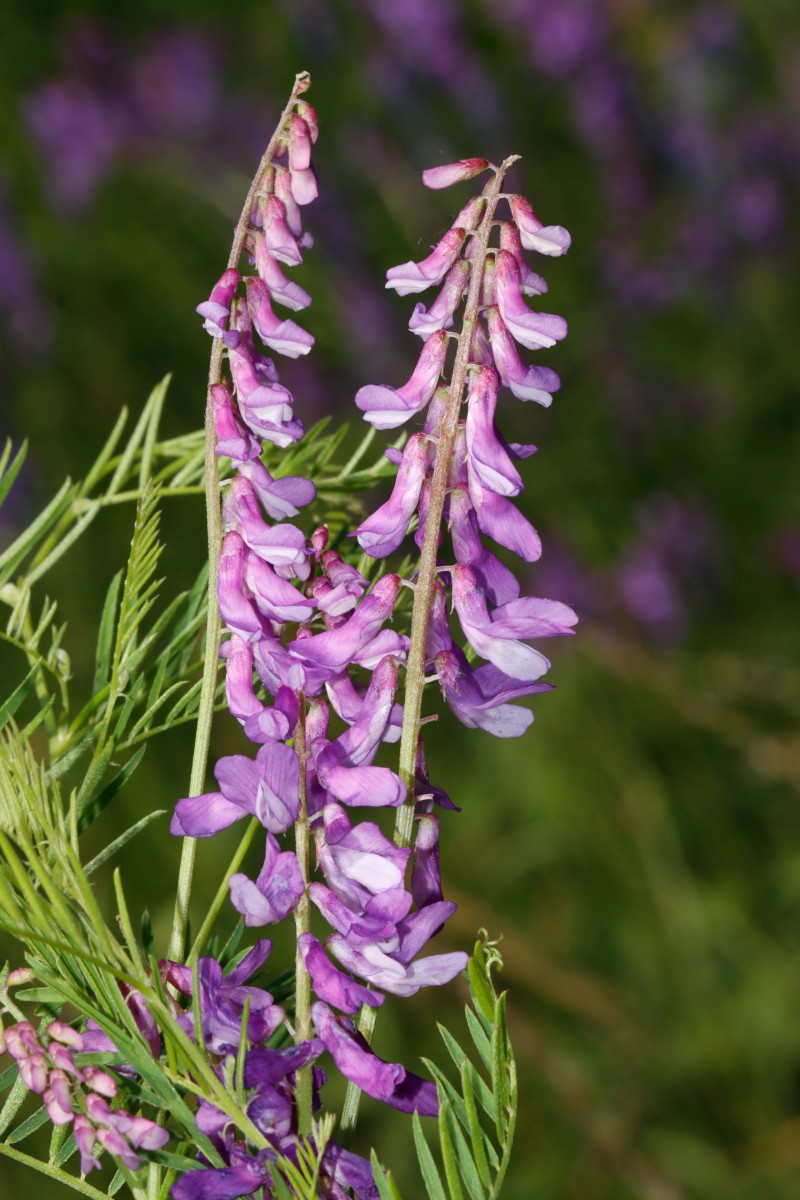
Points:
(640, 848)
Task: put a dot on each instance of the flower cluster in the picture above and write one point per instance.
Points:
(459, 468)
(79, 1095)
(315, 634)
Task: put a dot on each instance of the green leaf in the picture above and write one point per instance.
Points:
(449, 1159)
(34, 1122)
(109, 851)
(105, 638)
(385, 1184)
(95, 806)
(427, 1165)
(10, 706)
(9, 474)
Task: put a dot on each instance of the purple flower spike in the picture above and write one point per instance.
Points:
(527, 383)
(386, 407)
(217, 309)
(533, 330)
(285, 336)
(416, 277)
(478, 696)
(488, 458)
(275, 892)
(440, 313)
(547, 239)
(449, 173)
(384, 530)
(330, 984)
(234, 440)
(281, 289)
(389, 1082)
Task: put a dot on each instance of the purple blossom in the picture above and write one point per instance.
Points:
(440, 314)
(533, 330)
(386, 407)
(384, 530)
(275, 892)
(389, 1082)
(267, 789)
(416, 277)
(447, 174)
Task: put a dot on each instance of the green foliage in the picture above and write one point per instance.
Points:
(477, 1115)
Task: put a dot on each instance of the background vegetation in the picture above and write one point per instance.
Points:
(640, 849)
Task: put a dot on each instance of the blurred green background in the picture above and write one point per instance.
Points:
(640, 848)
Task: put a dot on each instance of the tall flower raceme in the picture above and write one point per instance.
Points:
(319, 681)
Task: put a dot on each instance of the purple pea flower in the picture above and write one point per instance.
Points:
(386, 407)
(530, 282)
(447, 174)
(217, 309)
(280, 498)
(500, 520)
(531, 329)
(286, 337)
(337, 648)
(499, 583)
(440, 314)
(282, 290)
(384, 530)
(477, 696)
(527, 383)
(426, 878)
(359, 862)
(234, 439)
(330, 984)
(279, 239)
(275, 892)
(546, 239)
(488, 458)
(416, 277)
(389, 1082)
(267, 789)
(497, 636)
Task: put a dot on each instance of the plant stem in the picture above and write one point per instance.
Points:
(214, 529)
(426, 576)
(302, 924)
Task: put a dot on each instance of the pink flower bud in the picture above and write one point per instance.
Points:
(33, 1072)
(65, 1034)
(448, 174)
(100, 1082)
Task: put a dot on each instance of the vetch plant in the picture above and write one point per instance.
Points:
(185, 1072)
